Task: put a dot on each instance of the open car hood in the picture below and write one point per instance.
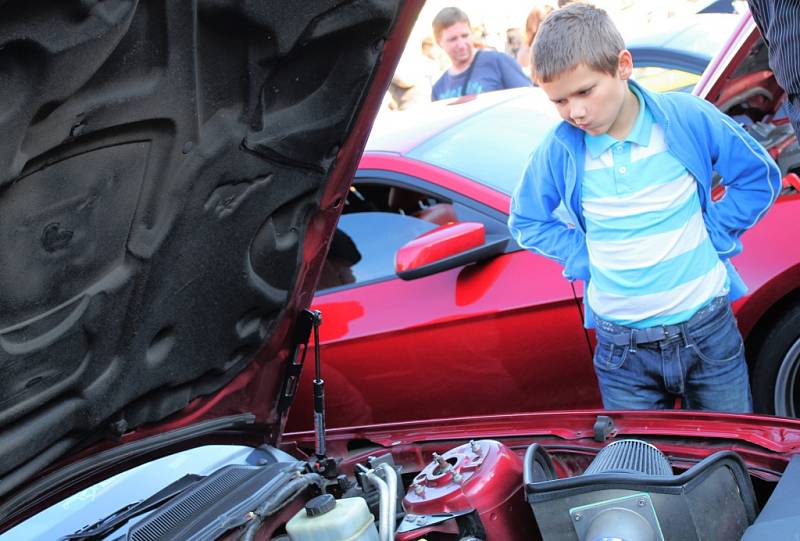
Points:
(739, 80)
(170, 176)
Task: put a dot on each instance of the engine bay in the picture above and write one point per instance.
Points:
(476, 490)
(482, 489)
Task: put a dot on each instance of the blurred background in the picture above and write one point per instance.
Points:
(501, 25)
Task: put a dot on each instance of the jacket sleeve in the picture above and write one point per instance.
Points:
(534, 225)
(751, 177)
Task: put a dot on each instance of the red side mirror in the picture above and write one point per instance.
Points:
(791, 180)
(443, 242)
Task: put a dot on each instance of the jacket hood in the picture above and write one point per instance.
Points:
(170, 176)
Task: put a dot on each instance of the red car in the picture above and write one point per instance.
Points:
(171, 177)
(485, 326)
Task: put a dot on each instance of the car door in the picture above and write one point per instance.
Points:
(503, 335)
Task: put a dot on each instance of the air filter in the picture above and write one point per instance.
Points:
(630, 492)
(630, 456)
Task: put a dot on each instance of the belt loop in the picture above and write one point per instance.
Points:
(632, 346)
(685, 333)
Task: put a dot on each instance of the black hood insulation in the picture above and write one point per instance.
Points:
(159, 166)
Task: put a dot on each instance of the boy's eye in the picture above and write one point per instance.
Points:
(585, 92)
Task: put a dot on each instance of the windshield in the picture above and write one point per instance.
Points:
(136, 484)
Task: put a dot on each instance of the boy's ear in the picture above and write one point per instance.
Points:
(625, 64)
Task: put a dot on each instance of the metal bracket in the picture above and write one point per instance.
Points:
(302, 333)
(603, 427)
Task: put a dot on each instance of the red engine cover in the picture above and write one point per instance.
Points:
(484, 476)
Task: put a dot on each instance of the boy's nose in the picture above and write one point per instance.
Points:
(577, 112)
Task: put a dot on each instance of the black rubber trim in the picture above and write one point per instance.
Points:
(536, 454)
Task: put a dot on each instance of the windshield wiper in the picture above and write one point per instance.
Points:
(105, 526)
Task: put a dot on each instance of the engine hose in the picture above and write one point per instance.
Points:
(277, 500)
(387, 491)
(383, 490)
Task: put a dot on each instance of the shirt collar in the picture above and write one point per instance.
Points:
(640, 134)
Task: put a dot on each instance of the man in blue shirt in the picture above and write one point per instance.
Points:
(472, 71)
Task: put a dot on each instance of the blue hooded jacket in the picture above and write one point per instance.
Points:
(700, 136)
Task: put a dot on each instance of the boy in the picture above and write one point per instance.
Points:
(634, 171)
(470, 72)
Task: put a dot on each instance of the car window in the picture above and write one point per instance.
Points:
(377, 220)
(378, 236)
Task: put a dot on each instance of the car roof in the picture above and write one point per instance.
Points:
(398, 132)
(699, 37)
(466, 135)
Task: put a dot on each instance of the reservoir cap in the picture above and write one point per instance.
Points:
(320, 505)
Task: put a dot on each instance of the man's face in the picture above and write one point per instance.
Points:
(456, 41)
(588, 99)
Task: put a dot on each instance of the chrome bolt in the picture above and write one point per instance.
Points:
(457, 477)
(411, 518)
(418, 489)
(640, 502)
(474, 446)
(420, 521)
(578, 516)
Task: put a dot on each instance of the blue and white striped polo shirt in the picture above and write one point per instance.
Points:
(650, 257)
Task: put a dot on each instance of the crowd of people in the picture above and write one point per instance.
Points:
(471, 66)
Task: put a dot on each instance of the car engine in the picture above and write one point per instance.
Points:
(484, 490)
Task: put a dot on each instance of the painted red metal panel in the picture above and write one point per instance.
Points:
(770, 262)
(497, 337)
(714, 430)
(483, 475)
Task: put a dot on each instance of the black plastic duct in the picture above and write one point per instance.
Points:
(629, 492)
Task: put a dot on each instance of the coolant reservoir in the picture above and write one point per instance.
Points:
(327, 519)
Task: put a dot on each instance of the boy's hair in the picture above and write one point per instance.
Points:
(573, 35)
(446, 18)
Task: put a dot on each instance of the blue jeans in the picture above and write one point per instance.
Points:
(701, 360)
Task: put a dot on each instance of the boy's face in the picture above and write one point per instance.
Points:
(456, 41)
(591, 100)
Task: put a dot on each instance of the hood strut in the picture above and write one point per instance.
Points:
(307, 321)
(327, 467)
(319, 391)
